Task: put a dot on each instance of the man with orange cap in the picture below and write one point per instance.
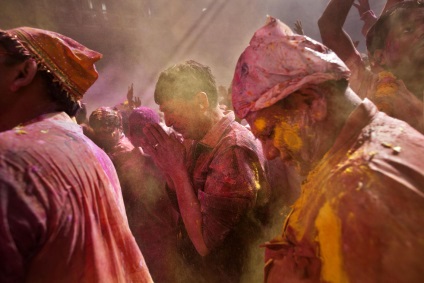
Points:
(359, 213)
(62, 217)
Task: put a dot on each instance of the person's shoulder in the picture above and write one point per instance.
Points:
(30, 135)
(239, 135)
(389, 130)
(388, 152)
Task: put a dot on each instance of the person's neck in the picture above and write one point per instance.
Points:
(216, 114)
(212, 116)
(329, 130)
(413, 80)
(26, 107)
(416, 87)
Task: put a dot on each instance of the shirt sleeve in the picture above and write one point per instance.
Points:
(22, 227)
(230, 192)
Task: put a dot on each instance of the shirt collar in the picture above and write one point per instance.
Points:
(214, 135)
(55, 116)
(357, 120)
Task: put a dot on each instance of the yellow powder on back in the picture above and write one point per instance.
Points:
(329, 239)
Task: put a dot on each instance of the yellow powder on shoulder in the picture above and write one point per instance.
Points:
(329, 239)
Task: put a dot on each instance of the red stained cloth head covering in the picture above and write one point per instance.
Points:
(143, 116)
(71, 63)
(277, 63)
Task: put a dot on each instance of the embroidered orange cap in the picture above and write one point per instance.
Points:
(71, 63)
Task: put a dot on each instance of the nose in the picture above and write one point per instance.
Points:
(270, 151)
(169, 121)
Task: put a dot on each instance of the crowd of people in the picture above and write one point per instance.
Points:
(308, 168)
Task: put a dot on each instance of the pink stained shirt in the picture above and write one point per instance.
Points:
(358, 218)
(228, 178)
(60, 214)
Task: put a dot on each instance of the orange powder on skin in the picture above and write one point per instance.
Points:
(260, 124)
(287, 135)
(386, 85)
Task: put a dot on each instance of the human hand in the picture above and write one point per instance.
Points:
(298, 27)
(137, 102)
(362, 6)
(130, 95)
(167, 151)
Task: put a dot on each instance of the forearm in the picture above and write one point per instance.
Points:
(190, 210)
(369, 19)
(331, 28)
(170, 183)
(334, 15)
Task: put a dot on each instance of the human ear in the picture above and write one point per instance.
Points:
(319, 108)
(315, 102)
(202, 100)
(378, 58)
(25, 74)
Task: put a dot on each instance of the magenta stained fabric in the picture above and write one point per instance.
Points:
(61, 215)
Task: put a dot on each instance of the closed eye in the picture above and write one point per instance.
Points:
(407, 30)
(267, 134)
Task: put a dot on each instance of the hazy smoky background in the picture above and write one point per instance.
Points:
(139, 38)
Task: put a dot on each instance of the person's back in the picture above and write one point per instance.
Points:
(61, 210)
(62, 220)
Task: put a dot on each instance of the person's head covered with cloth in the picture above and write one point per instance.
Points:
(396, 43)
(52, 72)
(285, 85)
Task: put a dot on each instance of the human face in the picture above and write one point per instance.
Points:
(107, 134)
(136, 134)
(404, 47)
(184, 117)
(285, 131)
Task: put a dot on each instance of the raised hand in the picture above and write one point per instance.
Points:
(130, 95)
(363, 6)
(298, 27)
(137, 102)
